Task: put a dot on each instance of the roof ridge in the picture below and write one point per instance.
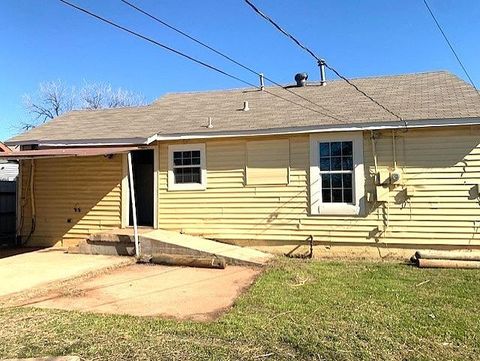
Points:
(104, 109)
(196, 92)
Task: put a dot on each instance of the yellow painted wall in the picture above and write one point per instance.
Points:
(91, 185)
(441, 165)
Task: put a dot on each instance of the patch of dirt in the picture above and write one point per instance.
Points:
(147, 290)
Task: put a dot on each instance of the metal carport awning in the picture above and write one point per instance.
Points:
(84, 152)
(65, 152)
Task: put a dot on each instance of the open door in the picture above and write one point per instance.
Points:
(143, 175)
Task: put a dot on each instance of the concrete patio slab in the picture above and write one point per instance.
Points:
(21, 272)
(152, 290)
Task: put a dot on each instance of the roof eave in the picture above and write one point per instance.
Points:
(111, 142)
(424, 123)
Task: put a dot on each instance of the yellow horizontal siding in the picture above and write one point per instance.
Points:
(440, 165)
(62, 184)
(268, 162)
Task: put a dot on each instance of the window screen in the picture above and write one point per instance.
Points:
(336, 171)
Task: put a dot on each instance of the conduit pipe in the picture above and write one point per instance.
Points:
(444, 263)
(448, 255)
(394, 150)
(374, 151)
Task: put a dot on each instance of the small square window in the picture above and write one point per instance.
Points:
(187, 167)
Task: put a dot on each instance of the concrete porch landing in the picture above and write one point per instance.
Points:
(162, 241)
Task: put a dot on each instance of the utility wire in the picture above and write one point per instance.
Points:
(319, 60)
(211, 67)
(449, 43)
(225, 56)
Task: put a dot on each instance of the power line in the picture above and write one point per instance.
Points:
(211, 67)
(319, 60)
(449, 43)
(225, 56)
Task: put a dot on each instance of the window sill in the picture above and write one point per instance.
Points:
(260, 185)
(187, 187)
(336, 210)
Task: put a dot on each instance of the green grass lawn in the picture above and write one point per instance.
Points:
(296, 310)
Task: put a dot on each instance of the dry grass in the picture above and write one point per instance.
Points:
(296, 310)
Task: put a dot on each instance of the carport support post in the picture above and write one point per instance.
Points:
(134, 205)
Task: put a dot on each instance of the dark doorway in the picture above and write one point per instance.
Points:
(8, 207)
(142, 165)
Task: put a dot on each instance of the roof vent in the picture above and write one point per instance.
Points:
(245, 106)
(301, 79)
(209, 125)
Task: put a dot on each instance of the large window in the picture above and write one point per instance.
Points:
(336, 173)
(187, 167)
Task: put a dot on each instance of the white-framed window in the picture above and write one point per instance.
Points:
(337, 178)
(187, 167)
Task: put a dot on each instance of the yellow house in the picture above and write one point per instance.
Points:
(245, 166)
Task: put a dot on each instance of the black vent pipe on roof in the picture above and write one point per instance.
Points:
(301, 79)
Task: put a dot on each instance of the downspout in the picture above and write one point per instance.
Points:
(134, 205)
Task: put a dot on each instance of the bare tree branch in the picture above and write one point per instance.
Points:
(55, 98)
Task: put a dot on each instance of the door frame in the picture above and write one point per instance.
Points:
(126, 192)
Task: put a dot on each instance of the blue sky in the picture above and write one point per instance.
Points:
(45, 40)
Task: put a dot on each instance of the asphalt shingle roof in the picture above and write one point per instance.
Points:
(422, 96)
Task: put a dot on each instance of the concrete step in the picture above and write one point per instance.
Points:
(162, 241)
(111, 237)
(108, 247)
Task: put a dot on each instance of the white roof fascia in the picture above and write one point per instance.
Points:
(86, 142)
(328, 128)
